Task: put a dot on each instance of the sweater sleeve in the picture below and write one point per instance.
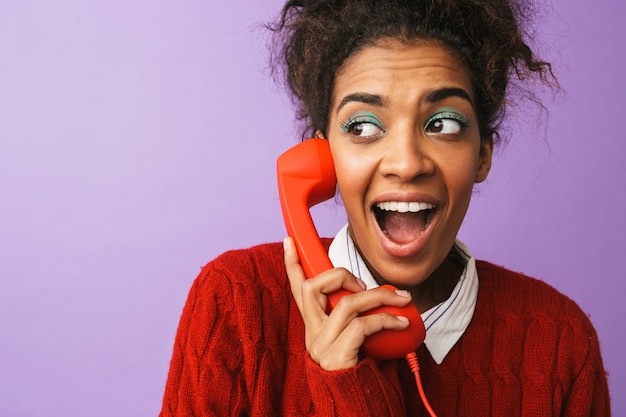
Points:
(239, 351)
(367, 389)
(205, 376)
(589, 393)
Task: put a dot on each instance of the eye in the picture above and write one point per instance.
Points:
(447, 123)
(363, 124)
(363, 129)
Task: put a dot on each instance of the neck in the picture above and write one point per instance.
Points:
(437, 287)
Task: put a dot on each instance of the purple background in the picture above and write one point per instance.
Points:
(137, 142)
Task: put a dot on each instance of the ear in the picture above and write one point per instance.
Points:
(319, 135)
(484, 159)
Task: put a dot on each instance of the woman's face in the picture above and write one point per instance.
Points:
(407, 151)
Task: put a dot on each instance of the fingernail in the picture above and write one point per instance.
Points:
(402, 318)
(403, 293)
(361, 283)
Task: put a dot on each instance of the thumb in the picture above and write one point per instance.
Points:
(295, 273)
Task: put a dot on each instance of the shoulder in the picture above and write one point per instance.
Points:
(262, 258)
(515, 293)
(252, 259)
(538, 332)
(255, 274)
(496, 277)
(245, 296)
(503, 284)
(252, 268)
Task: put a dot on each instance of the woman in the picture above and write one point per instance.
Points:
(409, 95)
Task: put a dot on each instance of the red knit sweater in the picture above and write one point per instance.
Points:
(239, 351)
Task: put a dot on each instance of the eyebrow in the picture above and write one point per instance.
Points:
(444, 93)
(431, 97)
(365, 98)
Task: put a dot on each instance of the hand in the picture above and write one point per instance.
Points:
(333, 340)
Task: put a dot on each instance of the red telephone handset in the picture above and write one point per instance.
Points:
(306, 177)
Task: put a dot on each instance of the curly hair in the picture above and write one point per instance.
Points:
(312, 40)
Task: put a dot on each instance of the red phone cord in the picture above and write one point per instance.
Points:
(411, 358)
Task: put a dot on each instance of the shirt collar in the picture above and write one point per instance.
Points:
(447, 321)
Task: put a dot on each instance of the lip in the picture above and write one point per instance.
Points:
(406, 197)
(409, 249)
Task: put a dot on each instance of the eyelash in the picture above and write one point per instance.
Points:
(449, 115)
(358, 119)
(361, 118)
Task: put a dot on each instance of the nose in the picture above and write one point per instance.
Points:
(407, 158)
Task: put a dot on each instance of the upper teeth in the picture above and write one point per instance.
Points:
(403, 206)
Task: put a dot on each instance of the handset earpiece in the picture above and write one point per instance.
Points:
(306, 177)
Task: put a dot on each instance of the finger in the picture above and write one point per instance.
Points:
(311, 295)
(351, 306)
(343, 352)
(365, 301)
(333, 281)
(318, 288)
(317, 291)
(314, 315)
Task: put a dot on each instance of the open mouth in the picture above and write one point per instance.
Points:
(403, 222)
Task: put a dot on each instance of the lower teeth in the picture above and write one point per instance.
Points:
(429, 217)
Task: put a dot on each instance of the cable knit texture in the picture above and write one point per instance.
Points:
(239, 351)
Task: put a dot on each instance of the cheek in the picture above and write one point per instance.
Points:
(351, 181)
(460, 180)
(354, 176)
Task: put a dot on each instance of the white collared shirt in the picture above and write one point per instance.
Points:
(446, 322)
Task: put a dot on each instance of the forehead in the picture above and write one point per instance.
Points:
(393, 68)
